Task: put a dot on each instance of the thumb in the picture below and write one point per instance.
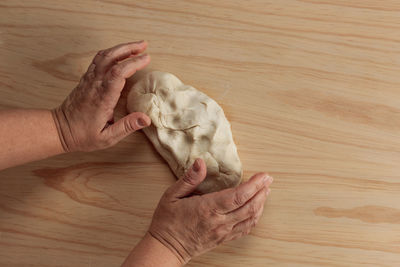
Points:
(188, 183)
(127, 125)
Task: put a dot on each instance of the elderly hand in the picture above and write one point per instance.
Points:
(85, 120)
(191, 225)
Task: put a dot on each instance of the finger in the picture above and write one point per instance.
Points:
(231, 237)
(188, 183)
(241, 229)
(250, 209)
(116, 77)
(230, 199)
(90, 71)
(105, 59)
(260, 211)
(125, 126)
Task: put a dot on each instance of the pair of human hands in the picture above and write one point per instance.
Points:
(187, 224)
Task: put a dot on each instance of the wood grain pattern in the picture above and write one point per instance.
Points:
(312, 88)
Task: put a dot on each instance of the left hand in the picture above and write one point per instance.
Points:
(85, 120)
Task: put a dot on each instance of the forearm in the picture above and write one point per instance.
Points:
(150, 252)
(27, 135)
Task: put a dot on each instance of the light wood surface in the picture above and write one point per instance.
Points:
(312, 88)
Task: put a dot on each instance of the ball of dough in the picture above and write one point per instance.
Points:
(187, 124)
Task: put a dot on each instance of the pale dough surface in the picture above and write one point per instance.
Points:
(187, 124)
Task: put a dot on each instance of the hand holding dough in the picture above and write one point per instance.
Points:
(187, 124)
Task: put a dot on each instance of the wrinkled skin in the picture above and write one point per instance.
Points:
(85, 120)
(190, 225)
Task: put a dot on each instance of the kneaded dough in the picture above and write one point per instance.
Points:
(187, 124)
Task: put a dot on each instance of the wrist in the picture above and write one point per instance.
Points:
(61, 122)
(151, 252)
(172, 246)
(170, 252)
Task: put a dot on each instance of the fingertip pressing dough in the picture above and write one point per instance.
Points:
(187, 124)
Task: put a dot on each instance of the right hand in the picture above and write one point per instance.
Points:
(190, 225)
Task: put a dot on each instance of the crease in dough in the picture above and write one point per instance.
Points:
(187, 124)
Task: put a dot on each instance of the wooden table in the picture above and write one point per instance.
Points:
(312, 89)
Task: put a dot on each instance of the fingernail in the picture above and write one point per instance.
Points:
(141, 122)
(267, 179)
(196, 165)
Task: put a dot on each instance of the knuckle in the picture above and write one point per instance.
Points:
(115, 72)
(240, 198)
(252, 209)
(94, 96)
(128, 126)
(98, 56)
(188, 179)
(224, 204)
(82, 81)
(237, 202)
(254, 221)
(211, 215)
(85, 77)
(107, 53)
(89, 76)
(216, 216)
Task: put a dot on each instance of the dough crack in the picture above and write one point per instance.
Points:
(187, 124)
